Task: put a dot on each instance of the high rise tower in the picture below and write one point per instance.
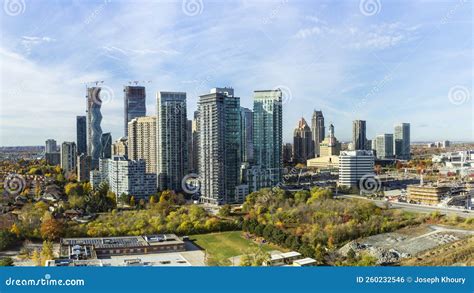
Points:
(94, 130)
(134, 104)
(318, 131)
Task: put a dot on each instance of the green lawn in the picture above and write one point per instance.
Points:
(221, 246)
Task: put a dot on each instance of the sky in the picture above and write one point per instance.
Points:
(381, 61)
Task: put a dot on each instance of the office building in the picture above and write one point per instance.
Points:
(318, 131)
(402, 132)
(267, 130)
(330, 148)
(195, 156)
(384, 146)
(94, 130)
(172, 145)
(53, 159)
(51, 146)
(106, 149)
(359, 138)
(353, 166)
(287, 153)
(219, 146)
(125, 177)
(134, 104)
(303, 148)
(83, 167)
(189, 139)
(81, 134)
(68, 156)
(246, 131)
(142, 141)
(426, 194)
(120, 147)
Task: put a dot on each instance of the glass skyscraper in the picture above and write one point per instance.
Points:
(219, 146)
(267, 131)
(134, 104)
(81, 134)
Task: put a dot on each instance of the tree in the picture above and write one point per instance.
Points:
(36, 258)
(132, 201)
(7, 239)
(15, 230)
(46, 252)
(225, 210)
(6, 262)
(51, 229)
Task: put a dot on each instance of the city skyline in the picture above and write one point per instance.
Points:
(374, 67)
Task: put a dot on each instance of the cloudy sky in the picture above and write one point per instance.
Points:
(377, 60)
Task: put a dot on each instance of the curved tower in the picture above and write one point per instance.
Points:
(94, 118)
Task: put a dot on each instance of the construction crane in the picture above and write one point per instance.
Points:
(96, 83)
(136, 82)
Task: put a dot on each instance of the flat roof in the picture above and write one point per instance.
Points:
(305, 261)
(124, 241)
(291, 254)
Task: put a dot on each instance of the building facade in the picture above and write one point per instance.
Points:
(172, 145)
(50, 146)
(219, 146)
(384, 146)
(246, 131)
(353, 166)
(359, 136)
(83, 167)
(267, 130)
(120, 147)
(94, 130)
(402, 132)
(142, 141)
(303, 148)
(134, 104)
(318, 131)
(81, 134)
(106, 142)
(68, 156)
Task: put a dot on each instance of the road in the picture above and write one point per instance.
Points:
(415, 207)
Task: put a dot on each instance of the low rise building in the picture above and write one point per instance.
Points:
(426, 194)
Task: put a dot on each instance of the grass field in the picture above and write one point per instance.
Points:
(221, 246)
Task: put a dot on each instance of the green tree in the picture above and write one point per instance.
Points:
(6, 262)
(225, 210)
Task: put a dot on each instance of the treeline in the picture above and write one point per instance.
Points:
(315, 224)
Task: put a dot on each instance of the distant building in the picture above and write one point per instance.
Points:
(402, 133)
(353, 166)
(317, 130)
(68, 156)
(426, 194)
(246, 131)
(51, 146)
(172, 145)
(142, 141)
(287, 153)
(330, 146)
(195, 130)
(94, 130)
(53, 159)
(189, 139)
(384, 144)
(219, 146)
(267, 131)
(303, 148)
(83, 167)
(120, 147)
(106, 142)
(134, 104)
(125, 177)
(81, 134)
(359, 137)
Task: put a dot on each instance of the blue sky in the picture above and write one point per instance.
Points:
(381, 61)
